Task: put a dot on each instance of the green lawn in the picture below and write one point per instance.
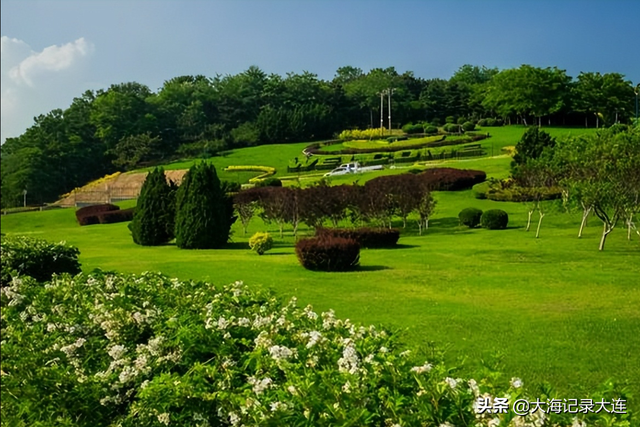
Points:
(551, 309)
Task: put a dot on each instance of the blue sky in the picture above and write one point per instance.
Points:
(54, 50)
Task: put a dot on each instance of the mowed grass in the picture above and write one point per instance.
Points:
(552, 309)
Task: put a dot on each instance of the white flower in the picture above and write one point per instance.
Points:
(234, 419)
(262, 340)
(315, 337)
(278, 406)
(578, 423)
(293, 390)
(495, 422)
(308, 311)
(259, 386)
(279, 353)
(346, 387)
(223, 323)
(451, 382)
(384, 349)
(473, 386)
(164, 418)
(405, 353)
(516, 382)
(349, 361)
(422, 369)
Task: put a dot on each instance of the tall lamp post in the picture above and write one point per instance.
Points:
(389, 92)
(637, 91)
(381, 110)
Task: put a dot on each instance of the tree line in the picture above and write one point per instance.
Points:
(128, 125)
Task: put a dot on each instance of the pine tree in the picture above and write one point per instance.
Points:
(153, 222)
(203, 210)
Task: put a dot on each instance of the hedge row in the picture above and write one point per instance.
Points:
(450, 179)
(328, 253)
(26, 256)
(103, 214)
(366, 237)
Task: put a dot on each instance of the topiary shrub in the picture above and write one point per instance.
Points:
(430, 130)
(450, 119)
(494, 219)
(261, 242)
(26, 256)
(111, 217)
(470, 217)
(154, 221)
(366, 237)
(468, 126)
(452, 128)
(412, 129)
(89, 214)
(328, 253)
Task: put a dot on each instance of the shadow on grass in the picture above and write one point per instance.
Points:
(372, 268)
(402, 246)
(237, 245)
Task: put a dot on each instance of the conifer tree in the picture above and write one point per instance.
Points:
(153, 222)
(203, 218)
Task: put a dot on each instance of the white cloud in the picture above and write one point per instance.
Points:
(34, 83)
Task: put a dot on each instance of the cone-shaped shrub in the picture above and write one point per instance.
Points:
(153, 222)
(203, 210)
(328, 253)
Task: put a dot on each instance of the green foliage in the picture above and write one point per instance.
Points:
(269, 182)
(203, 211)
(26, 256)
(430, 129)
(133, 151)
(494, 219)
(412, 129)
(154, 220)
(261, 242)
(532, 144)
(450, 120)
(468, 126)
(470, 217)
(452, 128)
(146, 350)
(350, 134)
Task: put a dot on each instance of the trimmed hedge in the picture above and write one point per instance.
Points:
(366, 237)
(494, 219)
(328, 253)
(88, 215)
(111, 217)
(261, 242)
(470, 217)
(26, 256)
(450, 179)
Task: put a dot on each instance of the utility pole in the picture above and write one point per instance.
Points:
(390, 92)
(381, 110)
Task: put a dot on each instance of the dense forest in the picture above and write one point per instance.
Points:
(128, 125)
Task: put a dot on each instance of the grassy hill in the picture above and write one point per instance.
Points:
(552, 309)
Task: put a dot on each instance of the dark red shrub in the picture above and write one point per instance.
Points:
(328, 253)
(366, 237)
(450, 179)
(111, 217)
(89, 214)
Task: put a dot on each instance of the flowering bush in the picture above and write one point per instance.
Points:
(375, 133)
(261, 242)
(26, 256)
(146, 350)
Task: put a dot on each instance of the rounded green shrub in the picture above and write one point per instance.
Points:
(430, 129)
(261, 242)
(468, 126)
(494, 219)
(470, 217)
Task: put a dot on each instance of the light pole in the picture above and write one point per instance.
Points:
(389, 93)
(637, 90)
(381, 110)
